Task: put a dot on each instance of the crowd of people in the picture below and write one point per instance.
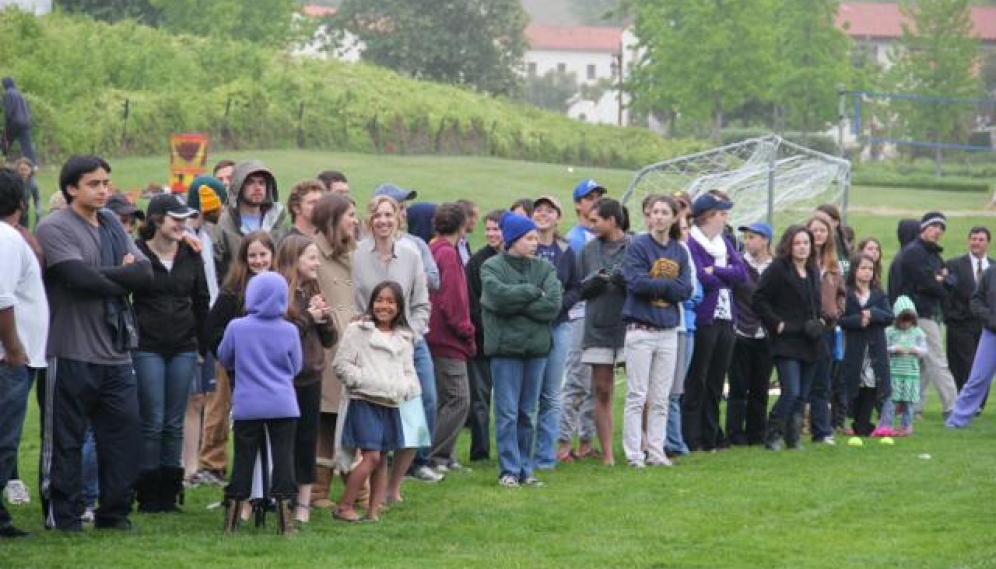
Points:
(334, 345)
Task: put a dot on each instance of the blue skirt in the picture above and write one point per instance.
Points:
(370, 426)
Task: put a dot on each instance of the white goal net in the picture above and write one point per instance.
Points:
(769, 179)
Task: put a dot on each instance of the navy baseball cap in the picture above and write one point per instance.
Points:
(707, 202)
(395, 193)
(760, 228)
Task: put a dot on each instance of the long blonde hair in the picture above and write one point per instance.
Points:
(827, 255)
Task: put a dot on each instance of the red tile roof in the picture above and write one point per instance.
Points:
(884, 21)
(317, 10)
(549, 38)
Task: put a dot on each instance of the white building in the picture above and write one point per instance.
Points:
(36, 7)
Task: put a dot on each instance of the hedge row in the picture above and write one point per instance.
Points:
(78, 75)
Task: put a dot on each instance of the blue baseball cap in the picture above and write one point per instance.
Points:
(586, 187)
(760, 228)
(395, 193)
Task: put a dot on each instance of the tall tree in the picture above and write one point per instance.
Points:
(477, 43)
(112, 10)
(938, 57)
(266, 22)
(812, 61)
(702, 58)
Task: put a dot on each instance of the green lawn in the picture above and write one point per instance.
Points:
(928, 501)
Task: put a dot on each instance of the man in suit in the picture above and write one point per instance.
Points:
(963, 327)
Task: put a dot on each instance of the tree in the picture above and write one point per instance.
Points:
(702, 58)
(550, 91)
(476, 43)
(265, 22)
(112, 10)
(812, 62)
(938, 57)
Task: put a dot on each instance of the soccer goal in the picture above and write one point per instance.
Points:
(768, 178)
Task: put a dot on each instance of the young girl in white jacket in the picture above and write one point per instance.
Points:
(376, 364)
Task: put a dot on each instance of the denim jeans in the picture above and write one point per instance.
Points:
(819, 396)
(163, 390)
(15, 383)
(548, 420)
(888, 415)
(427, 379)
(795, 378)
(91, 480)
(517, 391)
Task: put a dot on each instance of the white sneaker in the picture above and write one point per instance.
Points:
(88, 516)
(508, 481)
(660, 462)
(16, 493)
(425, 474)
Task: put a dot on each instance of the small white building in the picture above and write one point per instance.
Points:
(36, 7)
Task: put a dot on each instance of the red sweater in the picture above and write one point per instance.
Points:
(451, 333)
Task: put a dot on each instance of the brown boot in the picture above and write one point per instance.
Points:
(320, 489)
(232, 515)
(286, 518)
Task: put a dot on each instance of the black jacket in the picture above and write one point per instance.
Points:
(983, 302)
(474, 288)
(783, 297)
(906, 231)
(857, 339)
(16, 114)
(961, 274)
(172, 311)
(920, 263)
(227, 307)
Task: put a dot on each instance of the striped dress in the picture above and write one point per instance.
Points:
(905, 368)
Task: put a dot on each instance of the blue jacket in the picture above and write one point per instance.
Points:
(658, 279)
(264, 350)
(15, 109)
(565, 260)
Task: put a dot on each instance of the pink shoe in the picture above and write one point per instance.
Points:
(883, 432)
(904, 431)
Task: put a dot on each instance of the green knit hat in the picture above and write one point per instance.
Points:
(199, 194)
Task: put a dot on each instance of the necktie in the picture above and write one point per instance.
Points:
(978, 270)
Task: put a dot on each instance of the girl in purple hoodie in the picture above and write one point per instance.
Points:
(263, 350)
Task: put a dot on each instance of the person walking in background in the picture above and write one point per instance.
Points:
(603, 287)
(172, 329)
(750, 364)
(973, 394)
(924, 279)
(787, 300)
(24, 322)
(658, 280)
(91, 376)
(866, 358)
(719, 268)
(262, 351)
(298, 262)
(17, 121)
(451, 336)
(520, 298)
(546, 215)
(26, 171)
(907, 346)
(479, 367)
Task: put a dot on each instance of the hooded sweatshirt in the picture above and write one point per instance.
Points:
(451, 333)
(420, 220)
(906, 231)
(228, 232)
(16, 114)
(905, 368)
(264, 350)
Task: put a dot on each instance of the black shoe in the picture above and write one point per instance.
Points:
(119, 524)
(8, 531)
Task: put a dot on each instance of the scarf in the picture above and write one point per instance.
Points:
(715, 247)
(120, 316)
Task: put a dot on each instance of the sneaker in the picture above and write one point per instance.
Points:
(455, 466)
(508, 481)
(658, 462)
(441, 468)
(883, 432)
(829, 441)
(16, 493)
(88, 516)
(425, 474)
(210, 478)
(533, 481)
(904, 431)
(637, 464)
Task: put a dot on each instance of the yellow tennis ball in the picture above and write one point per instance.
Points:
(855, 442)
(887, 441)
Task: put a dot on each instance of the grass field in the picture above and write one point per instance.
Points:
(928, 501)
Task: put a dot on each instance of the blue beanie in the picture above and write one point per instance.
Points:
(513, 226)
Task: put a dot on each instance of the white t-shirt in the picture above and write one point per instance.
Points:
(21, 287)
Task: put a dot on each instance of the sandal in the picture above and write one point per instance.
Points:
(567, 457)
(352, 517)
